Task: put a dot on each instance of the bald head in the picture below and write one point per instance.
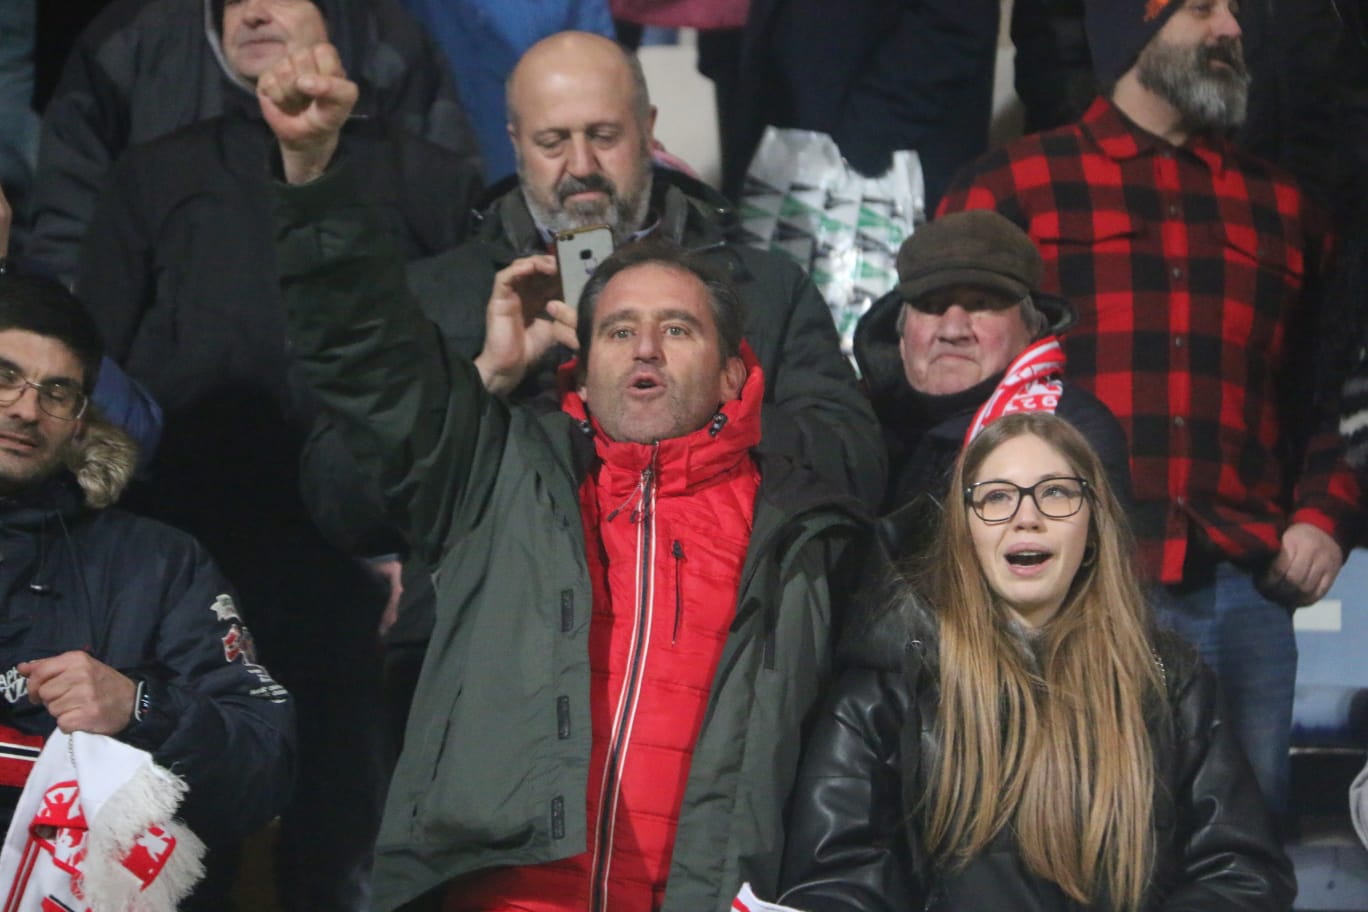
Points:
(580, 121)
(581, 57)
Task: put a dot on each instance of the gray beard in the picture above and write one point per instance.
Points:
(1205, 99)
(624, 215)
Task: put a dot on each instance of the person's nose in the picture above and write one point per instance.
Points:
(1225, 24)
(1028, 515)
(581, 161)
(25, 407)
(956, 324)
(647, 345)
(256, 12)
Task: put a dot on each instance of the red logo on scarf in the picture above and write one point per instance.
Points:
(150, 854)
(1033, 383)
(59, 827)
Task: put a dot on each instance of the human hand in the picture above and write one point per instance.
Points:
(1305, 567)
(81, 692)
(306, 98)
(391, 571)
(521, 324)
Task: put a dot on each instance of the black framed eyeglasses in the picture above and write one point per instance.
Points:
(59, 398)
(997, 501)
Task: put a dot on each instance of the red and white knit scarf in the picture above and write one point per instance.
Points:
(1033, 383)
(94, 830)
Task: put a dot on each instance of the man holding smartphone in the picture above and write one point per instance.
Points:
(581, 124)
(637, 602)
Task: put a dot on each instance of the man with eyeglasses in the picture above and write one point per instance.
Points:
(966, 336)
(109, 623)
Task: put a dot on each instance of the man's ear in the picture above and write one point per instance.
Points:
(650, 125)
(733, 378)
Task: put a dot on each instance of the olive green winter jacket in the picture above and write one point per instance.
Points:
(497, 750)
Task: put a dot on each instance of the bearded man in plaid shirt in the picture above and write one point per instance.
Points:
(1194, 267)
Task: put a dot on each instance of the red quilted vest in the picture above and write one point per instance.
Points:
(666, 528)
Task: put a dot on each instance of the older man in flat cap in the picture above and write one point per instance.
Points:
(966, 337)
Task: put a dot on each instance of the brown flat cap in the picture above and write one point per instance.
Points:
(978, 248)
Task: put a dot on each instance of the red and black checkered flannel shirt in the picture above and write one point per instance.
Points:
(1192, 269)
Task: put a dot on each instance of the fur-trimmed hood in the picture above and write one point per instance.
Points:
(102, 461)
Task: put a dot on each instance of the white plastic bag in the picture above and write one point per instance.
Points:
(801, 199)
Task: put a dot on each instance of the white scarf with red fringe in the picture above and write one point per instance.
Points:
(94, 830)
(1034, 382)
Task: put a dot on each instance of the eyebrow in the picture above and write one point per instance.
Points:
(634, 315)
(1046, 477)
(7, 364)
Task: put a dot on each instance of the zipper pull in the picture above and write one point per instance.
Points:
(644, 489)
(677, 549)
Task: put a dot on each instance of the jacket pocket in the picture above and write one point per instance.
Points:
(1096, 250)
(1263, 276)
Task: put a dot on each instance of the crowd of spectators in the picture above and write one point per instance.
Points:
(627, 601)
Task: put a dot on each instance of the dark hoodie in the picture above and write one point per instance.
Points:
(924, 433)
(143, 68)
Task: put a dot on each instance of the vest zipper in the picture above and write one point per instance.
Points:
(644, 516)
(678, 551)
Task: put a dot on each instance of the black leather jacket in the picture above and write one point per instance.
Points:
(853, 842)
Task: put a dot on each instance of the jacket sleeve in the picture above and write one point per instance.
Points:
(1327, 492)
(114, 279)
(1230, 858)
(815, 412)
(847, 846)
(83, 127)
(413, 413)
(939, 106)
(215, 717)
(116, 284)
(344, 503)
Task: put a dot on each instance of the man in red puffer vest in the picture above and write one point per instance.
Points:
(636, 601)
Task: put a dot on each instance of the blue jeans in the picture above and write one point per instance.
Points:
(1248, 641)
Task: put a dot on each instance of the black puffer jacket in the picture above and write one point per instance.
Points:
(180, 278)
(853, 837)
(141, 596)
(924, 433)
(144, 68)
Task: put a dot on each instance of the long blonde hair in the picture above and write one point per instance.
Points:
(1056, 747)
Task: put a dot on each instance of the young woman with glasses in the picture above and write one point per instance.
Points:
(1016, 735)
